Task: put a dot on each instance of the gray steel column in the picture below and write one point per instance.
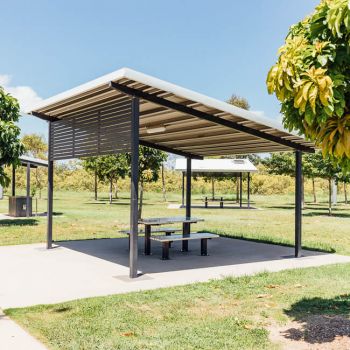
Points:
(298, 202)
(13, 180)
(188, 187)
(183, 189)
(187, 226)
(248, 190)
(28, 191)
(49, 191)
(133, 251)
(240, 189)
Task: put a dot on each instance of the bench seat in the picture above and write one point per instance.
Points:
(165, 240)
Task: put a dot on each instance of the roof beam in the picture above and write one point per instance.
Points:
(209, 117)
(44, 116)
(170, 150)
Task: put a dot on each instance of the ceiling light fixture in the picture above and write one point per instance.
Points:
(155, 130)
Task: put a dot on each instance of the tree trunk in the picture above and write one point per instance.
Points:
(330, 197)
(110, 191)
(345, 194)
(141, 200)
(116, 190)
(38, 184)
(212, 188)
(95, 185)
(314, 190)
(163, 183)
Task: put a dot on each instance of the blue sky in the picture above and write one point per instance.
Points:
(213, 47)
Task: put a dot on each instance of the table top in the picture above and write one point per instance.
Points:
(169, 220)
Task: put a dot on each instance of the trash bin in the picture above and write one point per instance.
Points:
(18, 206)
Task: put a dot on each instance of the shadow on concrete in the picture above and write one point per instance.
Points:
(222, 252)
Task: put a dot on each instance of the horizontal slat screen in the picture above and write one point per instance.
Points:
(100, 133)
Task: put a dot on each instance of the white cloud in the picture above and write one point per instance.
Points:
(26, 96)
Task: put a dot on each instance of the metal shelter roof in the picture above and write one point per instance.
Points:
(173, 118)
(217, 166)
(34, 162)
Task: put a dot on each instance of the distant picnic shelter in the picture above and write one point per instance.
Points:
(219, 168)
(124, 109)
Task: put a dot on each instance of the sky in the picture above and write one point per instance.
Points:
(213, 47)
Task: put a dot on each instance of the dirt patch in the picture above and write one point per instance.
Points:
(313, 332)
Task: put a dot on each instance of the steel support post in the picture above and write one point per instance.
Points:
(248, 190)
(13, 181)
(240, 189)
(28, 192)
(187, 226)
(133, 251)
(183, 189)
(298, 202)
(49, 192)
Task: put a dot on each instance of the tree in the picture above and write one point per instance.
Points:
(150, 162)
(36, 146)
(163, 183)
(311, 79)
(11, 147)
(108, 169)
(327, 170)
(238, 101)
(345, 179)
(90, 164)
(283, 163)
(310, 171)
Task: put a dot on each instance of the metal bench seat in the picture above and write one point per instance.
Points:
(165, 240)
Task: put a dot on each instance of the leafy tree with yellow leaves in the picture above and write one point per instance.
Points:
(311, 79)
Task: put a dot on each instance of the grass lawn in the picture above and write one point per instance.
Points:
(233, 313)
(80, 217)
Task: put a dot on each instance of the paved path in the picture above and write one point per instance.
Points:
(13, 337)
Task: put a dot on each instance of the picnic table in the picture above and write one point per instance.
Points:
(186, 222)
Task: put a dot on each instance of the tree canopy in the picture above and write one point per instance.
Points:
(238, 101)
(11, 147)
(35, 145)
(311, 79)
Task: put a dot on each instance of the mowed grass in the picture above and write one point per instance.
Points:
(233, 313)
(78, 216)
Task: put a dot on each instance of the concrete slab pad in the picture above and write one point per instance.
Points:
(30, 274)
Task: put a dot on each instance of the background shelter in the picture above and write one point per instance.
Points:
(228, 168)
(29, 163)
(124, 109)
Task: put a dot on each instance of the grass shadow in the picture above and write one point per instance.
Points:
(335, 214)
(18, 222)
(319, 320)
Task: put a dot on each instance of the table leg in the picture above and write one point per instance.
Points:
(147, 239)
(165, 251)
(186, 229)
(204, 247)
(169, 234)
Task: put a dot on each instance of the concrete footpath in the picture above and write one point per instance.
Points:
(13, 337)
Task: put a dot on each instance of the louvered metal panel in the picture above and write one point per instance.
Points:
(100, 133)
